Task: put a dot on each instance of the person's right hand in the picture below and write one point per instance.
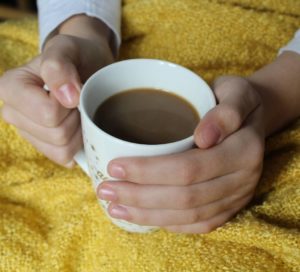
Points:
(50, 120)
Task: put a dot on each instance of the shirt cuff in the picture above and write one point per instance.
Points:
(293, 45)
(53, 12)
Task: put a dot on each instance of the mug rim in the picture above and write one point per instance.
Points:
(82, 109)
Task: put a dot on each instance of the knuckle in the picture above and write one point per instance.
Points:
(139, 165)
(140, 162)
(193, 216)
(255, 153)
(51, 65)
(134, 199)
(186, 199)
(229, 117)
(64, 155)
(252, 96)
(188, 172)
(61, 135)
(224, 84)
(49, 114)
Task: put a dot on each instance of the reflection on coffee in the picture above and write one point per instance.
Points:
(147, 116)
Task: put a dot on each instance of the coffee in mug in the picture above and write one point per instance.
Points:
(147, 116)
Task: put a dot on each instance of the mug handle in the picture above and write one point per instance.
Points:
(80, 157)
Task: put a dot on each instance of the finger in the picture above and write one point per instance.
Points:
(204, 226)
(59, 135)
(62, 155)
(189, 167)
(23, 90)
(237, 99)
(175, 197)
(162, 217)
(59, 71)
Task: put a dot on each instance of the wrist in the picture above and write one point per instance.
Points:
(278, 85)
(88, 28)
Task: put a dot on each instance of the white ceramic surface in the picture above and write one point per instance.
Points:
(100, 148)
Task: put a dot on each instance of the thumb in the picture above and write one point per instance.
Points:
(237, 99)
(59, 72)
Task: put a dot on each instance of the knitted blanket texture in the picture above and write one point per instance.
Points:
(50, 219)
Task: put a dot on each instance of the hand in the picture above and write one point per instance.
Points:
(200, 189)
(50, 121)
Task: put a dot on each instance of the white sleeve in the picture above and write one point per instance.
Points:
(53, 12)
(293, 45)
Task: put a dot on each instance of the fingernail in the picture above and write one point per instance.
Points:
(68, 93)
(107, 194)
(210, 135)
(117, 171)
(119, 212)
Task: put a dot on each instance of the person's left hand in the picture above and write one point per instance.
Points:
(198, 190)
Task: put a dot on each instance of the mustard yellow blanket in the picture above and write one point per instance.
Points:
(49, 216)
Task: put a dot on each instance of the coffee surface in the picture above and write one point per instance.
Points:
(147, 116)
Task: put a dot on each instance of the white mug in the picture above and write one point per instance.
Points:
(100, 148)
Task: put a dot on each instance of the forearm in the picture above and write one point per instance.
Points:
(86, 27)
(279, 86)
(53, 14)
